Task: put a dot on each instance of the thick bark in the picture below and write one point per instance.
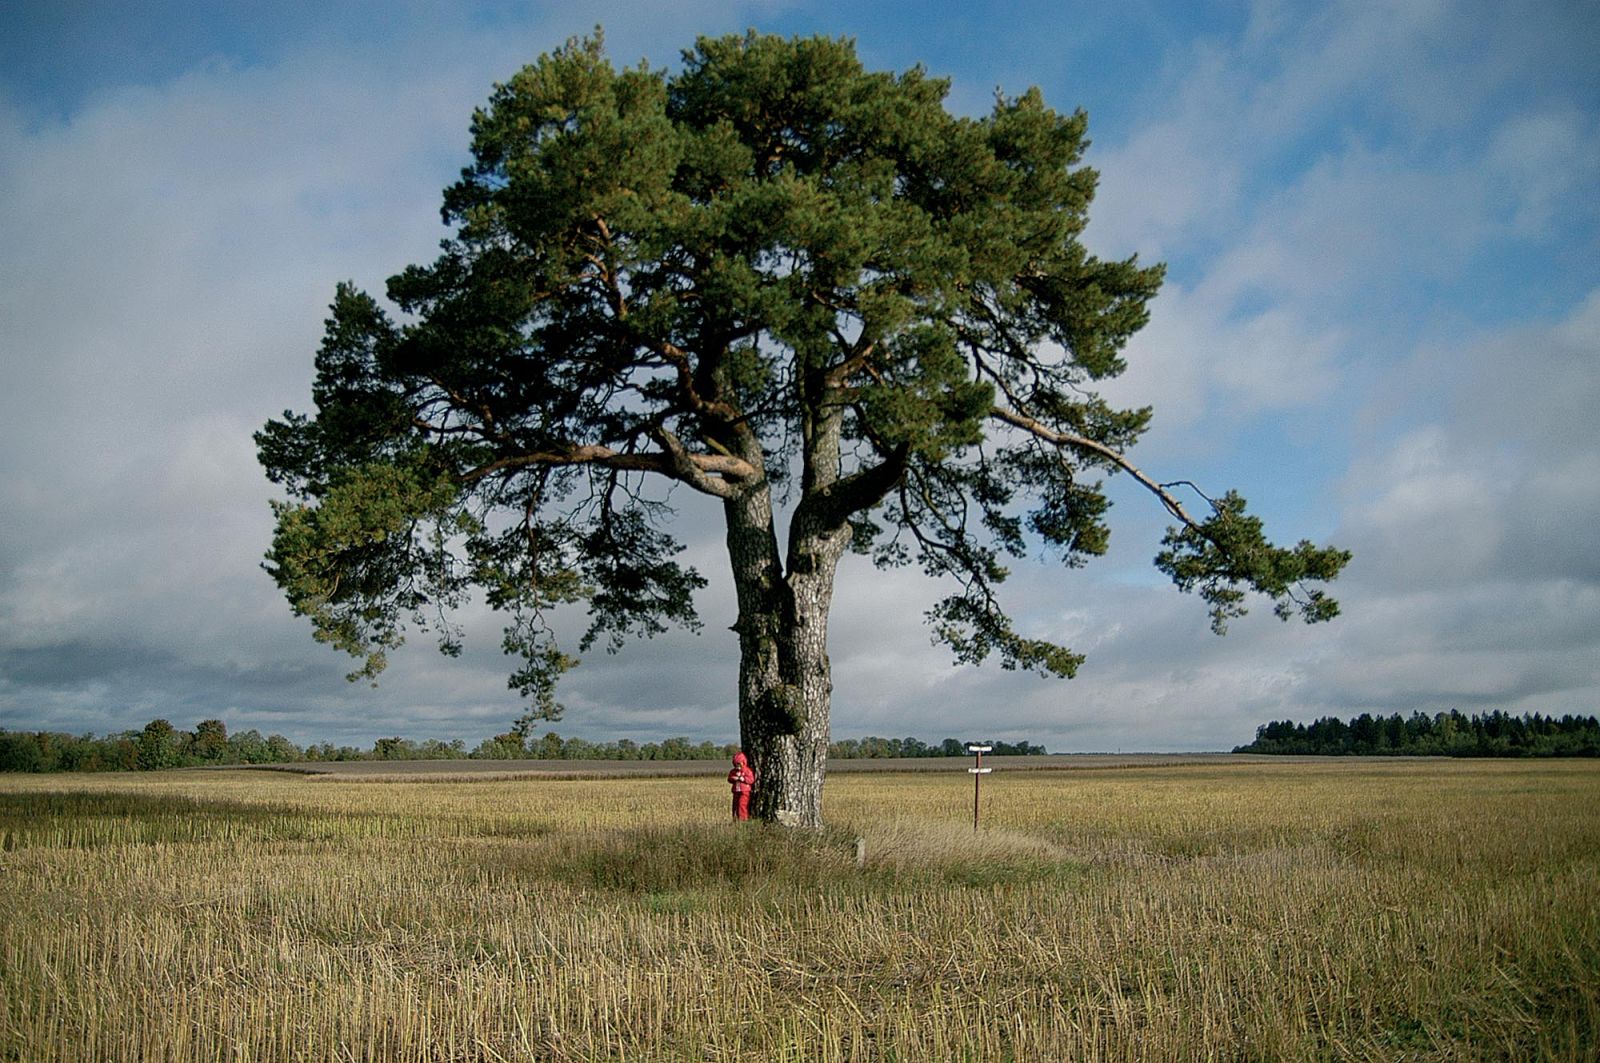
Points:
(785, 685)
(785, 679)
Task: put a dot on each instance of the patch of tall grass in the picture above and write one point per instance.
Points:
(1407, 910)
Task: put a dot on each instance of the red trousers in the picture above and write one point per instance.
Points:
(741, 804)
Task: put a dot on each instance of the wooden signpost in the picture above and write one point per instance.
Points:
(977, 772)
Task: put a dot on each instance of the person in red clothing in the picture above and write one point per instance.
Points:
(743, 780)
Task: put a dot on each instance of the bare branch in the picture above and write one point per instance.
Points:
(1116, 457)
(696, 469)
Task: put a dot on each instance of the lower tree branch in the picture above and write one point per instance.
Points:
(696, 470)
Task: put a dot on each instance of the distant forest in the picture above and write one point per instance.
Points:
(1449, 734)
(161, 745)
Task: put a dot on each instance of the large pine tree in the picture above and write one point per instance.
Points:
(772, 276)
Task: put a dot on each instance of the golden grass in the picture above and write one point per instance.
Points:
(1344, 910)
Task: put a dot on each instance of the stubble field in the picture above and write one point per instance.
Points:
(1230, 910)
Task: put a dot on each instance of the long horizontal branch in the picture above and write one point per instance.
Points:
(696, 470)
(1111, 454)
(699, 471)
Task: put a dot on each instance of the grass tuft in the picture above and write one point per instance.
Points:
(658, 860)
(905, 851)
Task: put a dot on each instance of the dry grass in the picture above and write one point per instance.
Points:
(1343, 910)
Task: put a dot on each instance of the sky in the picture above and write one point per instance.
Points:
(1380, 324)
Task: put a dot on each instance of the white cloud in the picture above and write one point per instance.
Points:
(169, 253)
(1475, 578)
(1543, 159)
(170, 249)
(1199, 357)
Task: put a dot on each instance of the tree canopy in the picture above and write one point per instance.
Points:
(769, 276)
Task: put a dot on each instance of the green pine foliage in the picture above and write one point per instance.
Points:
(770, 260)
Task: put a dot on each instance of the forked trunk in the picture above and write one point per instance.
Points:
(785, 685)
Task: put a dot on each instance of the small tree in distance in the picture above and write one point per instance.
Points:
(210, 741)
(770, 277)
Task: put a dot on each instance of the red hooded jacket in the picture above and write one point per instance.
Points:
(741, 777)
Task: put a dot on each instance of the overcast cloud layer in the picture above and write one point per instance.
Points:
(1381, 323)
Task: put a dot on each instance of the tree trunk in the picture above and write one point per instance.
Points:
(785, 679)
(785, 683)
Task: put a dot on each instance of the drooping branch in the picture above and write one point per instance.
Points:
(1224, 554)
(1111, 454)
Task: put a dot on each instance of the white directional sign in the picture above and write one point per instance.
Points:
(977, 749)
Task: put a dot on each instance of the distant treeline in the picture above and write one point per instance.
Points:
(871, 747)
(1449, 734)
(161, 745)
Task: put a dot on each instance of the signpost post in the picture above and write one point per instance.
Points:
(977, 772)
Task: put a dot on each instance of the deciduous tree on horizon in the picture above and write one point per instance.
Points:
(770, 278)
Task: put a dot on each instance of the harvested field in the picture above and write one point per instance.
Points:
(1233, 909)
